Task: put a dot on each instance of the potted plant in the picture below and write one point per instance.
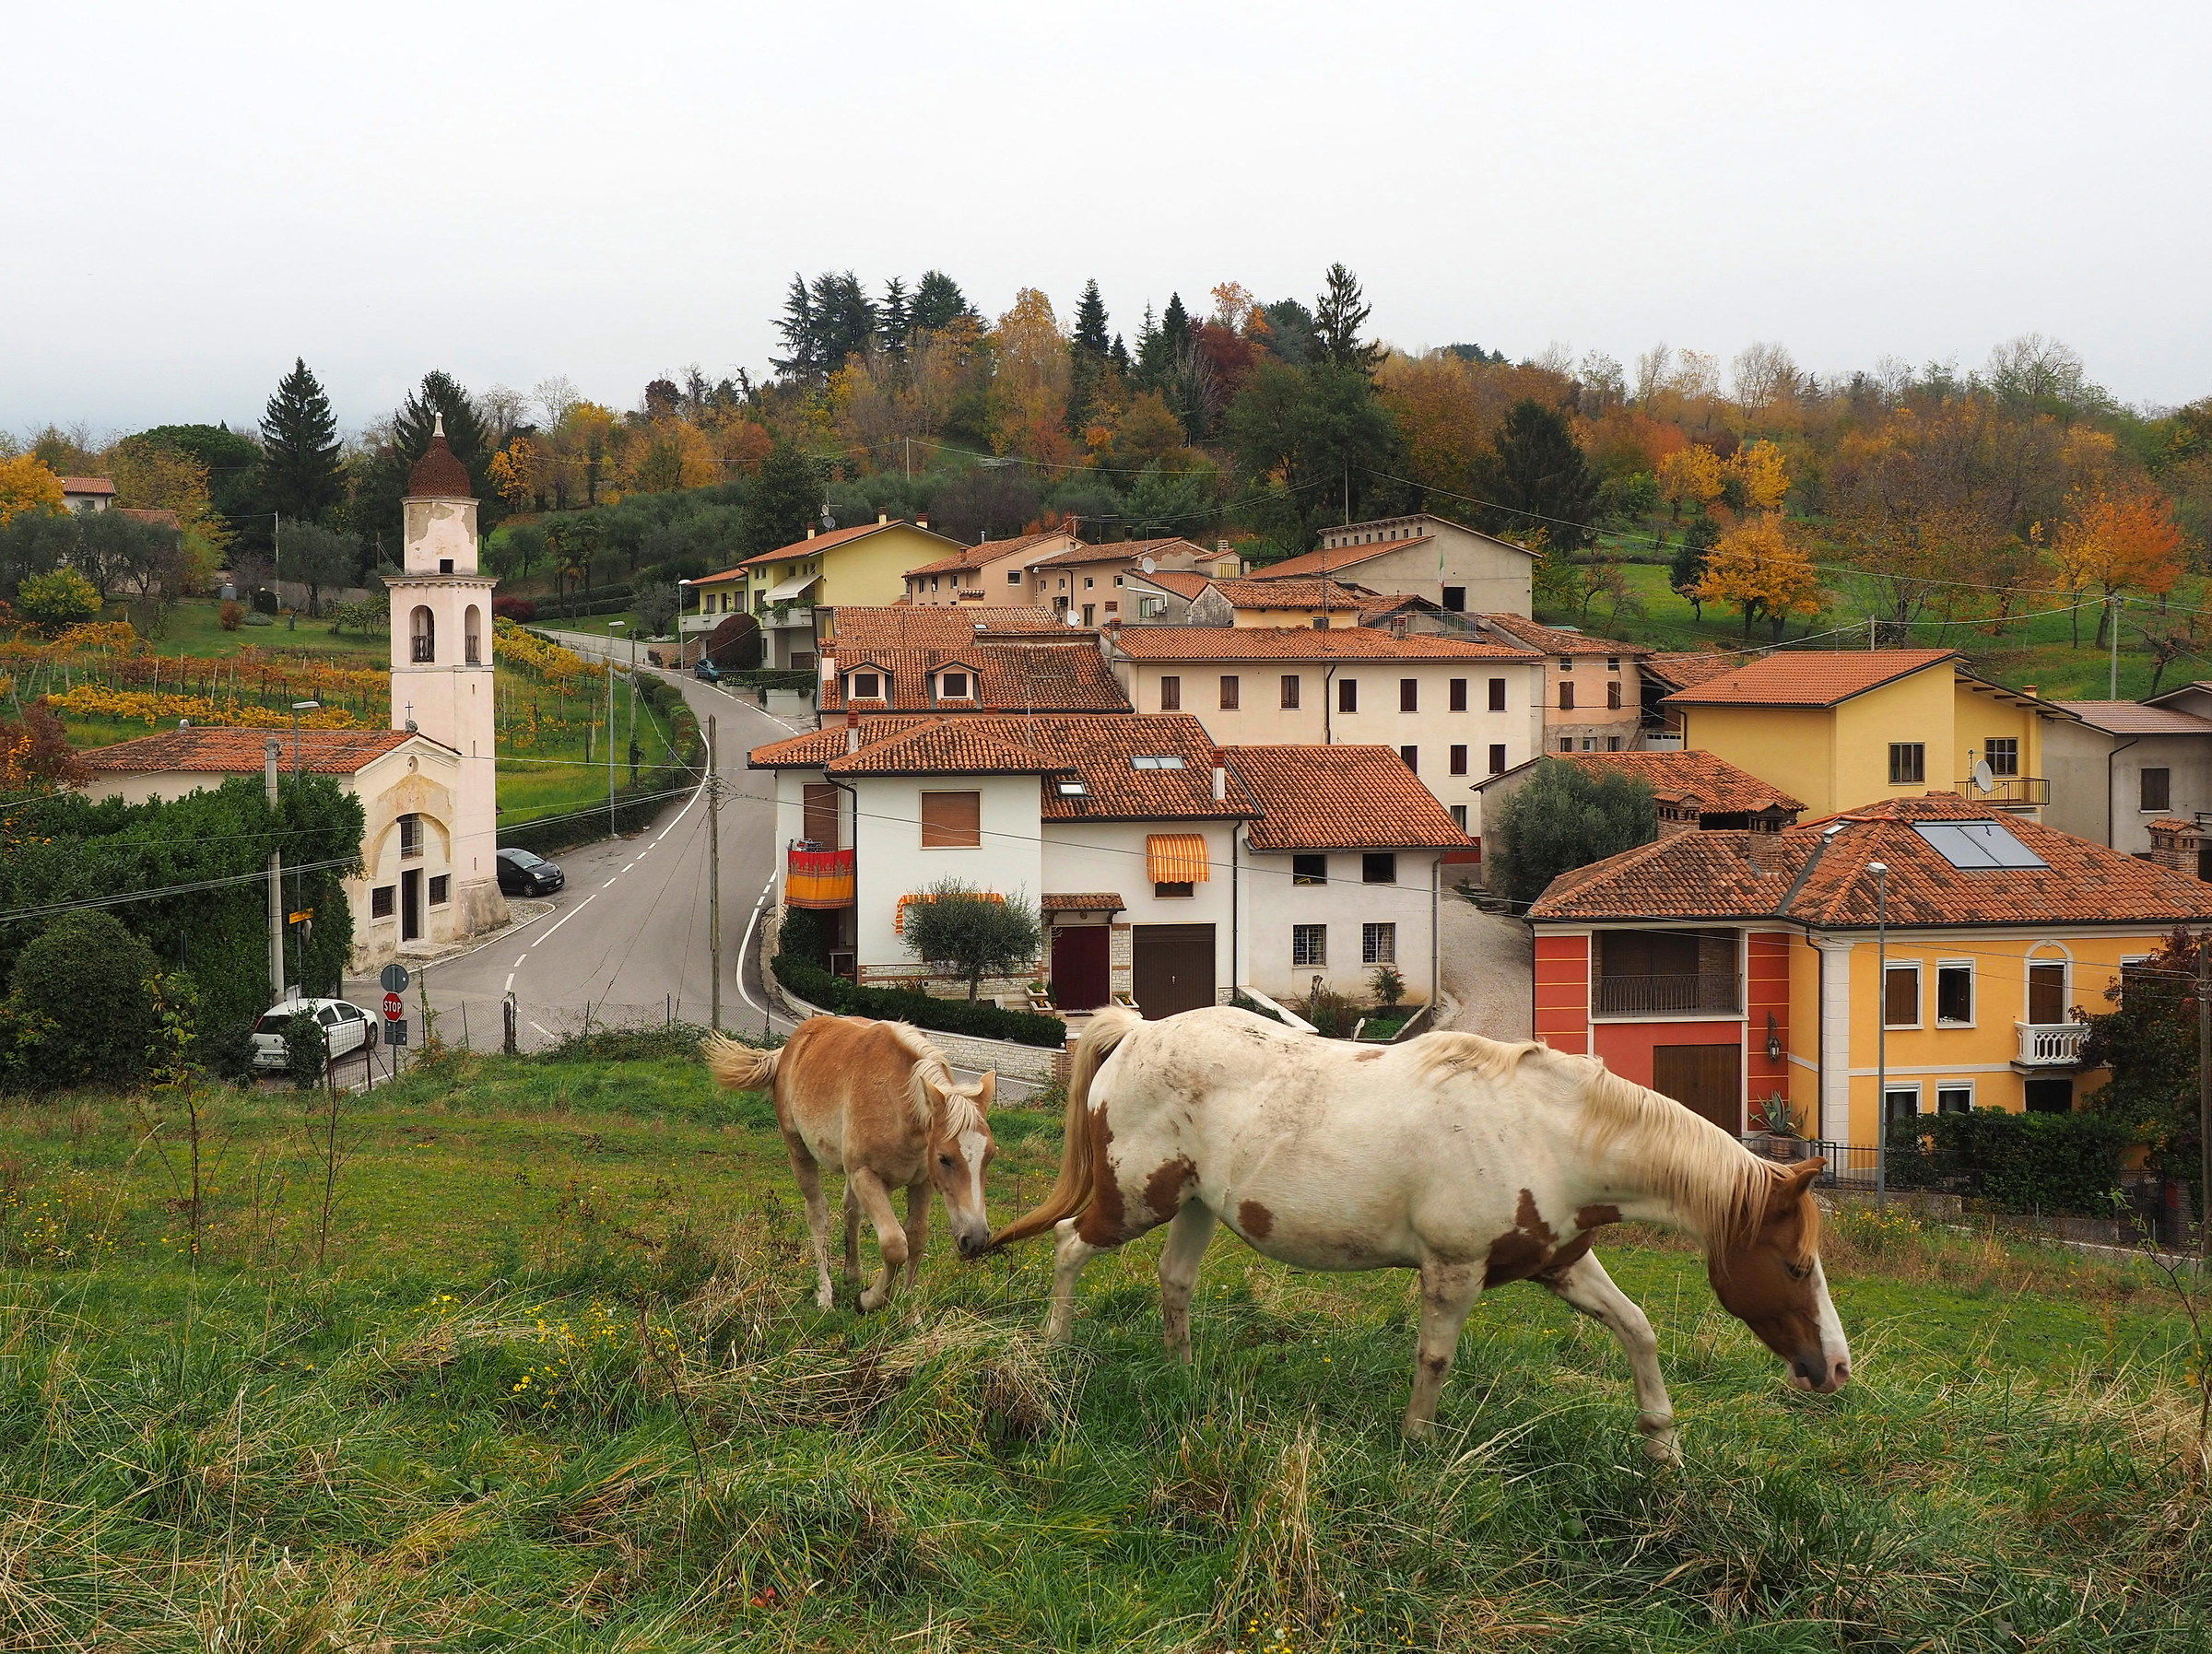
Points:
(1786, 1139)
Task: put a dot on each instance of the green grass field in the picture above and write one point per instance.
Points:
(195, 628)
(557, 1382)
(549, 775)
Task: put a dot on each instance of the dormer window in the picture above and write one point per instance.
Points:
(955, 685)
(864, 686)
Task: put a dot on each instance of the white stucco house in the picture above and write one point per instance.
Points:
(1169, 870)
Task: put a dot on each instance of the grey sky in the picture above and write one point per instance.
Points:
(608, 192)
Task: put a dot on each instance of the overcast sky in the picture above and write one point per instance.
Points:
(610, 191)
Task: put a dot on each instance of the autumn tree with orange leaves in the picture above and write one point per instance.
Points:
(2116, 541)
(1763, 572)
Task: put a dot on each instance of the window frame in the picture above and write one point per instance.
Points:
(1292, 690)
(1497, 694)
(2010, 765)
(2165, 790)
(1317, 935)
(1308, 875)
(1232, 692)
(1171, 692)
(1953, 1089)
(1379, 867)
(1409, 694)
(1455, 700)
(1177, 890)
(1348, 695)
(1953, 968)
(1908, 763)
(1894, 1089)
(926, 828)
(1567, 695)
(439, 890)
(1379, 942)
(1497, 764)
(1903, 968)
(1455, 759)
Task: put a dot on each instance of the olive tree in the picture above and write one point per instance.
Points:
(970, 933)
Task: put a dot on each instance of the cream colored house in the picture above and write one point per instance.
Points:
(1454, 709)
(1455, 567)
(1594, 687)
(992, 573)
(787, 589)
(403, 900)
(1088, 585)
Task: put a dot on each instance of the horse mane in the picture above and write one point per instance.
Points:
(930, 1069)
(1721, 1188)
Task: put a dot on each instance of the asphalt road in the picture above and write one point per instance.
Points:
(626, 940)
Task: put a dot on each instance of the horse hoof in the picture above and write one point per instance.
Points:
(872, 1300)
(825, 1300)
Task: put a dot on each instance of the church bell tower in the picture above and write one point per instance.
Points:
(441, 666)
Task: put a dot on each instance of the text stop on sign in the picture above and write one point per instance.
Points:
(392, 1007)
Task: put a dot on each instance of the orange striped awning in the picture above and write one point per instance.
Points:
(1175, 857)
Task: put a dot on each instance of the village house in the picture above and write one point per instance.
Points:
(1840, 727)
(1456, 567)
(994, 572)
(2120, 768)
(1321, 604)
(1594, 687)
(1086, 584)
(973, 677)
(1163, 598)
(900, 627)
(87, 493)
(1169, 871)
(1694, 791)
(1662, 675)
(1933, 948)
(1452, 708)
(786, 590)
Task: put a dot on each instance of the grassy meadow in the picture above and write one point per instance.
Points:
(550, 1376)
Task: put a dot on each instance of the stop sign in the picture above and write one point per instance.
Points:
(392, 1007)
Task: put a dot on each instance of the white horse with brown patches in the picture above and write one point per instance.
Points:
(1475, 1162)
(876, 1101)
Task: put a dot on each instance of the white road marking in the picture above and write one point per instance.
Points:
(744, 947)
(572, 913)
(510, 986)
(543, 1029)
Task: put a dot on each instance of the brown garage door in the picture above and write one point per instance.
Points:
(1705, 1079)
(1171, 967)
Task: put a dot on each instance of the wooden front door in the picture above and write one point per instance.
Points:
(1171, 967)
(2047, 991)
(410, 904)
(1082, 979)
(1705, 1079)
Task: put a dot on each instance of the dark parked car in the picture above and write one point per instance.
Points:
(523, 873)
(707, 672)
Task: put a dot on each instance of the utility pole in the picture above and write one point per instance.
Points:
(270, 756)
(2111, 611)
(2204, 1098)
(610, 736)
(1881, 1032)
(713, 882)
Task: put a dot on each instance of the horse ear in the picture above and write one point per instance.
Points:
(1800, 1176)
(986, 1090)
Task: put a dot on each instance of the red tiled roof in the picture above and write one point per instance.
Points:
(440, 473)
(1683, 670)
(817, 747)
(822, 542)
(86, 485)
(904, 626)
(975, 557)
(241, 752)
(1296, 643)
(1081, 553)
(2133, 718)
(1330, 559)
(1082, 901)
(1716, 786)
(1819, 877)
(1009, 677)
(1809, 677)
(1557, 640)
(1339, 798)
(1183, 582)
(1248, 594)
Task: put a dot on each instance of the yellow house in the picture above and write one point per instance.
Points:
(782, 589)
(1842, 727)
(1913, 956)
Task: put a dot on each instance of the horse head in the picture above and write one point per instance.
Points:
(960, 1150)
(1768, 1276)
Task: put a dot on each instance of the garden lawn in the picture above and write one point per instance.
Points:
(195, 628)
(542, 767)
(557, 1383)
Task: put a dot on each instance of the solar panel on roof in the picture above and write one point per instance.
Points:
(1977, 844)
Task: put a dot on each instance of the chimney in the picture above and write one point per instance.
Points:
(852, 731)
(2028, 690)
(810, 531)
(920, 523)
(1220, 784)
(882, 518)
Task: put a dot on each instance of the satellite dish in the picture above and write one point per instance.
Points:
(1985, 778)
(1147, 564)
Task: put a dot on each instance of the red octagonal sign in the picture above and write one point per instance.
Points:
(392, 1007)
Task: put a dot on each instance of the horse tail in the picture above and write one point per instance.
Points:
(739, 1067)
(1078, 1166)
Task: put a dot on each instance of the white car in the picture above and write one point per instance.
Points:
(346, 1028)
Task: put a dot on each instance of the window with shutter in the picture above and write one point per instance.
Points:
(1170, 693)
(952, 820)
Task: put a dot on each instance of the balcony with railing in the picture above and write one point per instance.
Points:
(817, 878)
(2050, 1044)
(2009, 791)
(1691, 993)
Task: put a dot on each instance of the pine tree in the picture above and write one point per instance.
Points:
(845, 319)
(1090, 320)
(938, 303)
(299, 473)
(893, 324)
(783, 500)
(1089, 359)
(1537, 478)
(1339, 316)
(373, 512)
(803, 358)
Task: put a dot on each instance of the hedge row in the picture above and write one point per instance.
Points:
(766, 677)
(638, 802)
(924, 1010)
(2016, 1162)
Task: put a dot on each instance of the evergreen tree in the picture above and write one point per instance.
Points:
(1537, 478)
(1318, 432)
(938, 303)
(299, 473)
(892, 319)
(1564, 817)
(1290, 337)
(802, 360)
(2148, 1041)
(1090, 320)
(1338, 316)
(233, 464)
(374, 510)
(782, 501)
(1089, 359)
(1119, 353)
(845, 319)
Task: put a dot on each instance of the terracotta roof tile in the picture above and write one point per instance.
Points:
(1339, 798)
(1683, 670)
(1294, 593)
(1081, 553)
(1082, 901)
(1558, 640)
(1716, 786)
(817, 747)
(1296, 643)
(86, 485)
(440, 473)
(1819, 878)
(1809, 677)
(2133, 718)
(988, 551)
(1009, 677)
(241, 752)
(1183, 582)
(910, 627)
(1330, 559)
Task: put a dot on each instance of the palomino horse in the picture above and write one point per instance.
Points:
(875, 1101)
(1476, 1163)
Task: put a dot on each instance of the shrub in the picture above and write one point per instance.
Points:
(1331, 1014)
(1390, 987)
(654, 1041)
(2017, 1161)
(900, 1004)
(54, 600)
(972, 934)
(306, 1050)
(1561, 818)
(80, 1008)
(520, 610)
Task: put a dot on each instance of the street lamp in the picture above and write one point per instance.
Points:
(612, 626)
(1881, 1031)
(299, 707)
